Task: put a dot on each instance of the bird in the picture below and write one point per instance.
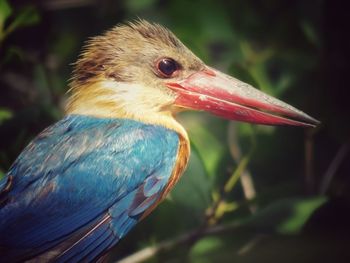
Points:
(85, 181)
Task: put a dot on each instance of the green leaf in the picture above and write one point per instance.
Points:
(5, 12)
(1, 174)
(5, 114)
(302, 211)
(27, 16)
(193, 190)
(245, 129)
(205, 246)
(208, 147)
(287, 216)
(310, 33)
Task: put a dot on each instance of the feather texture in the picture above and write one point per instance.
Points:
(81, 185)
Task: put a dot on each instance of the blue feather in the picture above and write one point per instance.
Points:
(75, 174)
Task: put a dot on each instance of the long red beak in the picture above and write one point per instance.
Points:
(225, 96)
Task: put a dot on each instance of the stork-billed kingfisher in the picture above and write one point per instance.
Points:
(84, 182)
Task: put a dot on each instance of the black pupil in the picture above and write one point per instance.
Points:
(167, 66)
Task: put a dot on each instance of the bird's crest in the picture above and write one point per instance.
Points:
(101, 54)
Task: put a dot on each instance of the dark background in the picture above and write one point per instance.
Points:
(294, 50)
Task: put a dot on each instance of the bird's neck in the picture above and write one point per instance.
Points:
(103, 99)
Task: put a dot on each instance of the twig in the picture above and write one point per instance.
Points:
(248, 187)
(167, 245)
(251, 244)
(333, 167)
(309, 155)
(245, 176)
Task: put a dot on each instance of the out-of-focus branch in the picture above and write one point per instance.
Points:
(244, 175)
(67, 4)
(333, 167)
(183, 239)
(309, 156)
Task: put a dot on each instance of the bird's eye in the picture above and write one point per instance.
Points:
(167, 67)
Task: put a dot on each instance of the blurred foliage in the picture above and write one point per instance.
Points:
(293, 50)
(25, 17)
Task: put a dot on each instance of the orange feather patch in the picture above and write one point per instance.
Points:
(183, 156)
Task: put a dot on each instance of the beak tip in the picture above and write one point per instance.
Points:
(312, 122)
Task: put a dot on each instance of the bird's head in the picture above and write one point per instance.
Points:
(142, 71)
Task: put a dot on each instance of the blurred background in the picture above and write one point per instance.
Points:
(250, 193)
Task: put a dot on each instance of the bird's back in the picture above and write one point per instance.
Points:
(81, 185)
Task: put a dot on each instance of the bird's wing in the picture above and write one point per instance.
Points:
(80, 186)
